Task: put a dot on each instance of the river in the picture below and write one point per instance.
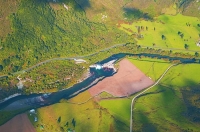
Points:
(23, 103)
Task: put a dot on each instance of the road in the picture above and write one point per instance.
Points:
(67, 58)
(132, 102)
(78, 57)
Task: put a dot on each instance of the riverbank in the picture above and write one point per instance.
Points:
(74, 90)
(9, 97)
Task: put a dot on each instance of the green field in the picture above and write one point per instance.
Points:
(183, 75)
(88, 117)
(118, 107)
(177, 30)
(161, 109)
(152, 68)
(170, 106)
(167, 107)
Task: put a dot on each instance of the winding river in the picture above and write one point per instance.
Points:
(23, 103)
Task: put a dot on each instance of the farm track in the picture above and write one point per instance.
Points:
(139, 94)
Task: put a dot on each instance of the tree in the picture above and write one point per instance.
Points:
(139, 46)
(67, 124)
(1, 68)
(196, 54)
(59, 119)
(73, 122)
(170, 51)
(138, 29)
(186, 46)
(182, 35)
(163, 37)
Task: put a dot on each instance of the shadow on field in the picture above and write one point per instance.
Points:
(79, 3)
(146, 126)
(120, 126)
(191, 97)
(171, 105)
(83, 3)
(155, 92)
(133, 13)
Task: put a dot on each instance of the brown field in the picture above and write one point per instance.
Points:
(19, 123)
(128, 80)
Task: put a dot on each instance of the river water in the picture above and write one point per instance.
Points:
(25, 102)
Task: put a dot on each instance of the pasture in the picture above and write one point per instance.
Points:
(71, 115)
(166, 32)
(152, 68)
(168, 106)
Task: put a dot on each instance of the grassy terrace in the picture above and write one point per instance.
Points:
(166, 32)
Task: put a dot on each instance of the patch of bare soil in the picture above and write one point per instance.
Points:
(128, 80)
(19, 123)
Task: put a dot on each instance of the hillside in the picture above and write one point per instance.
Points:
(112, 11)
(40, 30)
(35, 31)
(41, 41)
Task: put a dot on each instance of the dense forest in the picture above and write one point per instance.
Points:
(41, 31)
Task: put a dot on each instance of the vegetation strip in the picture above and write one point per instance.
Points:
(77, 57)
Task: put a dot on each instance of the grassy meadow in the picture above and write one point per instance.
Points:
(119, 108)
(183, 75)
(170, 106)
(166, 106)
(176, 30)
(69, 115)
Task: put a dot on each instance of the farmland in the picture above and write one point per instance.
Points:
(69, 115)
(166, 32)
(150, 66)
(169, 106)
(40, 41)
